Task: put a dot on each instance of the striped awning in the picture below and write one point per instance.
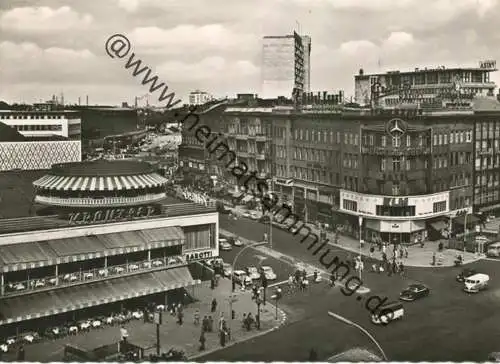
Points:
(97, 183)
(17, 257)
(74, 298)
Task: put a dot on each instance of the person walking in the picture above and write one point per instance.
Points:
(214, 305)
(197, 317)
(222, 336)
(210, 324)
(180, 317)
(202, 341)
(401, 269)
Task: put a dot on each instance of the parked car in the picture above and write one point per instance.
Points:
(414, 291)
(239, 276)
(233, 240)
(254, 215)
(227, 269)
(224, 245)
(253, 273)
(476, 283)
(466, 273)
(269, 273)
(246, 214)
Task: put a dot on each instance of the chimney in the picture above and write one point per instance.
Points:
(79, 99)
(87, 100)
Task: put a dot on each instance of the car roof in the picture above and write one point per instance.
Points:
(266, 267)
(239, 272)
(417, 285)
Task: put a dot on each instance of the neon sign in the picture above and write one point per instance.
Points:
(110, 215)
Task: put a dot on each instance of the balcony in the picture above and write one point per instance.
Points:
(242, 154)
(91, 275)
(260, 138)
(376, 150)
(242, 136)
(260, 156)
(485, 152)
(99, 202)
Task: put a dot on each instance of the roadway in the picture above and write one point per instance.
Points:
(449, 325)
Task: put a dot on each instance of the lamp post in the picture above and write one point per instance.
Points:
(350, 323)
(465, 231)
(232, 275)
(360, 220)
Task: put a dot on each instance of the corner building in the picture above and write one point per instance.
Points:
(405, 172)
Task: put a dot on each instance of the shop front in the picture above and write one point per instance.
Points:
(299, 203)
(394, 232)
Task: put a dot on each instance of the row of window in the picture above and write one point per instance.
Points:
(439, 206)
(37, 127)
(487, 127)
(323, 136)
(382, 210)
(455, 137)
(314, 155)
(486, 198)
(487, 180)
(350, 161)
(487, 145)
(488, 162)
(396, 142)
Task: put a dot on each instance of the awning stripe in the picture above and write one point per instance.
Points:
(42, 181)
(144, 182)
(109, 184)
(132, 182)
(86, 184)
(93, 184)
(49, 181)
(101, 184)
(60, 183)
(118, 183)
(149, 180)
(76, 184)
(68, 183)
(125, 182)
(137, 181)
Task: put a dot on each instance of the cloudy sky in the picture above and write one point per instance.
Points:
(53, 46)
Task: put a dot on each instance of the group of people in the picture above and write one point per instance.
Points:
(207, 326)
(298, 280)
(390, 266)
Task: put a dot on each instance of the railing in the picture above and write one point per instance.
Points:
(260, 156)
(92, 275)
(98, 202)
(403, 150)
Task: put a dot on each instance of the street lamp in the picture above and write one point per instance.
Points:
(360, 220)
(232, 275)
(350, 323)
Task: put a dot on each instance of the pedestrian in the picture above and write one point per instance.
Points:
(383, 248)
(401, 268)
(222, 336)
(212, 283)
(180, 316)
(197, 317)
(313, 356)
(205, 324)
(401, 252)
(244, 320)
(221, 322)
(210, 324)
(202, 341)
(406, 252)
(214, 305)
(21, 353)
(434, 258)
(372, 250)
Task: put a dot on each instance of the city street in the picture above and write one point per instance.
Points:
(447, 325)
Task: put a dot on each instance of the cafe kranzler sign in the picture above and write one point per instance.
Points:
(111, 215)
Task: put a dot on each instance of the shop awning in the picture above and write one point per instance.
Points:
(49, 252)
(74, 298)
(113, 183)
(471, 219)
(440, 225)
(490, 208)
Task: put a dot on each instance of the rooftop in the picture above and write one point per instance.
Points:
(8, 134)
(419, 70)
(102, 168)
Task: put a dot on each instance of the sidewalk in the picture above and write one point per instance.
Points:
(186, 337)
(417, 256)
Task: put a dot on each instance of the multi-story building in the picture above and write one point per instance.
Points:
(487, 156)
(195, 160)
(428, 86)
(285, 65)
(199, 97)
(42, 138)
(44, 124)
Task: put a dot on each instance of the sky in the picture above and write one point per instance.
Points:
(51, 46)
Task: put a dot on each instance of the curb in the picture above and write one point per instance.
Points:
(282, 317)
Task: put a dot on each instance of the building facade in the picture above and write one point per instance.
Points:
(199, 97)
(44, 124)
(285, 65)
(425, 86)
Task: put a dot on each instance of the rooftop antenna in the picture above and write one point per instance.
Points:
(298, 26)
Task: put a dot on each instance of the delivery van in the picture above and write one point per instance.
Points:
(387, 313)
(476, 283)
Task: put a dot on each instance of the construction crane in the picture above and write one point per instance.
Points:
(139, 98)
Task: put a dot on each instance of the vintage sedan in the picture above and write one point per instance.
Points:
(253, 273)
(225, 245)
(269, 273)
(414, 291)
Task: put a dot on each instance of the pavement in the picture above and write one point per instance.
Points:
(417, 256)
(172, 335)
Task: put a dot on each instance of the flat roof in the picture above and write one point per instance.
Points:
(101, 168)
(73, 298)
(395, 72)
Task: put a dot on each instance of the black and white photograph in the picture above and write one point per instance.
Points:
(249, 181)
